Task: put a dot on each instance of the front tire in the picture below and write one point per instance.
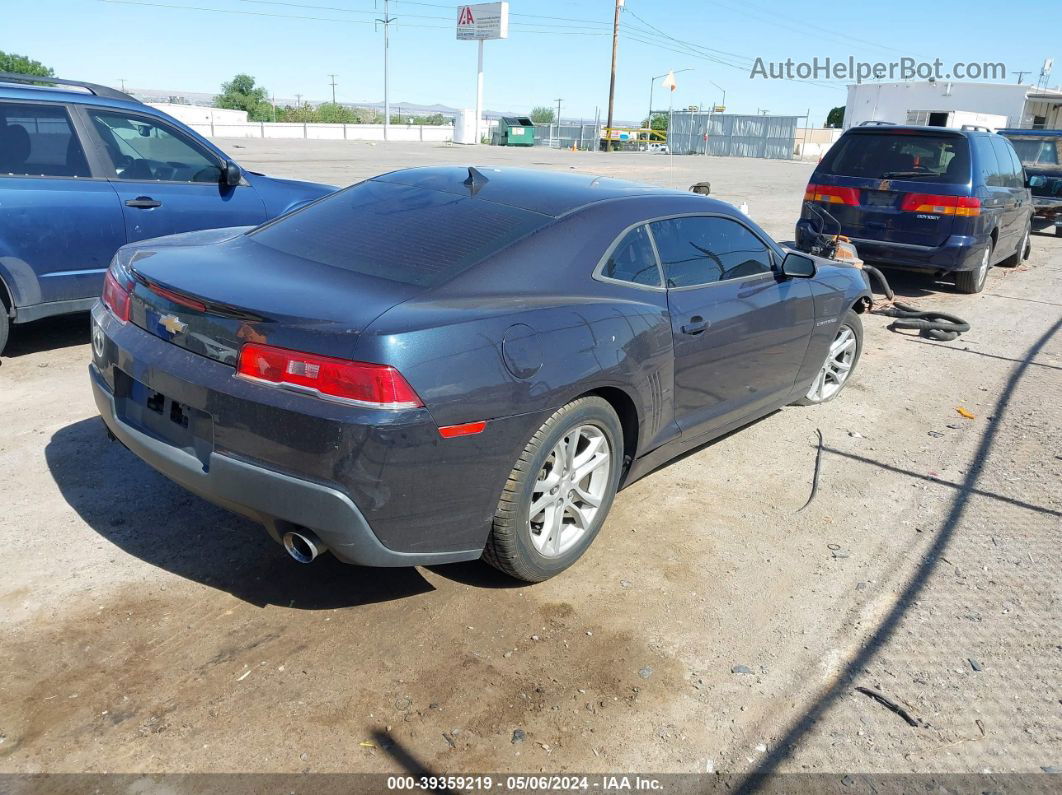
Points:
(841, 361)
(971, 282)
(558, 493)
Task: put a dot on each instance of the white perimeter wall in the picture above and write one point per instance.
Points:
(326, 132)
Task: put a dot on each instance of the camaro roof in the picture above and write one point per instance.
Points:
(547, 192)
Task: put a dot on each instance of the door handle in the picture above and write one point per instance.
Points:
(143, 202)
(696, 325)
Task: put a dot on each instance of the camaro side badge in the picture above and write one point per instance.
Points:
(172, 324)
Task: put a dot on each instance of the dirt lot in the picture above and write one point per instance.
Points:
(145, 631)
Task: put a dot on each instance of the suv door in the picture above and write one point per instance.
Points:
(740, 329)
(59, 224)
(166, 180)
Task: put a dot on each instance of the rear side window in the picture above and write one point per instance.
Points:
(1009, 168)
(39, 141)
(700, 250)
(633, 260)
(987, 164)
(398, 232)
(934, 158)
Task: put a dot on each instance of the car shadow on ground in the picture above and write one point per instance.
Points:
(147, 516)
(50, 334)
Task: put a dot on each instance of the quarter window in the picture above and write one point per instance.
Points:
(38, 141)
(633, 260)
(140, 149)
(704, 250)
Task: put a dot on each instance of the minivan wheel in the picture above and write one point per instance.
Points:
(558, 493)
(970, 282)
(5, 326)
(1022, 251)
(841, 360)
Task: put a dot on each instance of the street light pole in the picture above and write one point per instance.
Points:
(652, 85)
(333, 88)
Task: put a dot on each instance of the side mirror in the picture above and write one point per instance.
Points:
(231, 174)
(1036, 181)
(797, 266)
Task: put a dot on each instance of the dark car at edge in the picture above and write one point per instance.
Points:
(443, 364)
(951, 203)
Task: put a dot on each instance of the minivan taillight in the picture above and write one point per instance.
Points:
(361, 383)
(116, 297)
(941, 205)
(831, 194)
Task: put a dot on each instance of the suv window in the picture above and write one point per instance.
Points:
(633, 260)
(987, 163)
(1041, 150)
(38, 140)
(399, 232)
(707, 249)
(141, 149)
(1011, 175)
(882, 155)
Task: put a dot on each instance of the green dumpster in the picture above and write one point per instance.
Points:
(515, 131)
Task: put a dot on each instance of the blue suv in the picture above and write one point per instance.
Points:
(85, 169)
(944, 201)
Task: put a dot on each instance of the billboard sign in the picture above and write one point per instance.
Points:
(483, 21)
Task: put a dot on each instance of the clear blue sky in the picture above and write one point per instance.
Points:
(557, 48)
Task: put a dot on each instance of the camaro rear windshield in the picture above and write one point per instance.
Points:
(397, 232)
(934, 158)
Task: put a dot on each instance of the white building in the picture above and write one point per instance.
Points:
(949, 103)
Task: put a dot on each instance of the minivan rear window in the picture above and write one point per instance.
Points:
(399, 232)
(933, 158)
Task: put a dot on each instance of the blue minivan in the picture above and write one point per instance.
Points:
(85, 169)
(943, 201)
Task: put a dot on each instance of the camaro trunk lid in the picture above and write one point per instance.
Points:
(212, 299)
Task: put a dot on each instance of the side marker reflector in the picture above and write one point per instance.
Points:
(467, 429)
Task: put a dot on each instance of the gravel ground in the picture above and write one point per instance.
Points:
(711, 627)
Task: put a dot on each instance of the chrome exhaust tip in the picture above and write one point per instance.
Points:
(303, 545)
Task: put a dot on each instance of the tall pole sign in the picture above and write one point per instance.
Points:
(480, 22)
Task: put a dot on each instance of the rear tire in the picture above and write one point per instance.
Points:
(546, 517)
(971, 282)
(5, 326)
(1022, 252)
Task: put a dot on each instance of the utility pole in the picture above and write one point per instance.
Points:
(558, 116)
(612, 78)
(298, 101)
(333, 88)
(386, 21)
(122, 81)
(1021, 74)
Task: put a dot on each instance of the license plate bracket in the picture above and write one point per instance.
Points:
(163, 417)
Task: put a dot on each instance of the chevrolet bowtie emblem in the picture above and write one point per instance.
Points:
(172, 324)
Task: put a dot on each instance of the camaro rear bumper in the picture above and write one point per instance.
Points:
(276, 500)
(378, 488)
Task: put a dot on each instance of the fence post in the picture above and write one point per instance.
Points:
(211, 125)
(344, 131)
(261, 129)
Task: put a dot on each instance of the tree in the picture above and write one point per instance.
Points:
(241, 93)
(659, 122)
(835, 118)
(543, 115)
(20, 64)
(334, 113)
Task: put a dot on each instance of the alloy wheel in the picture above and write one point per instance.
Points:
(569, 490)
(836, 368)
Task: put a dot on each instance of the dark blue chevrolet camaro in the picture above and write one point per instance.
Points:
(442, 364)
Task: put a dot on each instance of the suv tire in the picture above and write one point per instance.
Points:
(1022, 252)
(971, 282)
(535, 537)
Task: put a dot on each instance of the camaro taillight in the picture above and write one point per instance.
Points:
(361, 383)
(941, 205)
(116, 296)
(831, 194)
